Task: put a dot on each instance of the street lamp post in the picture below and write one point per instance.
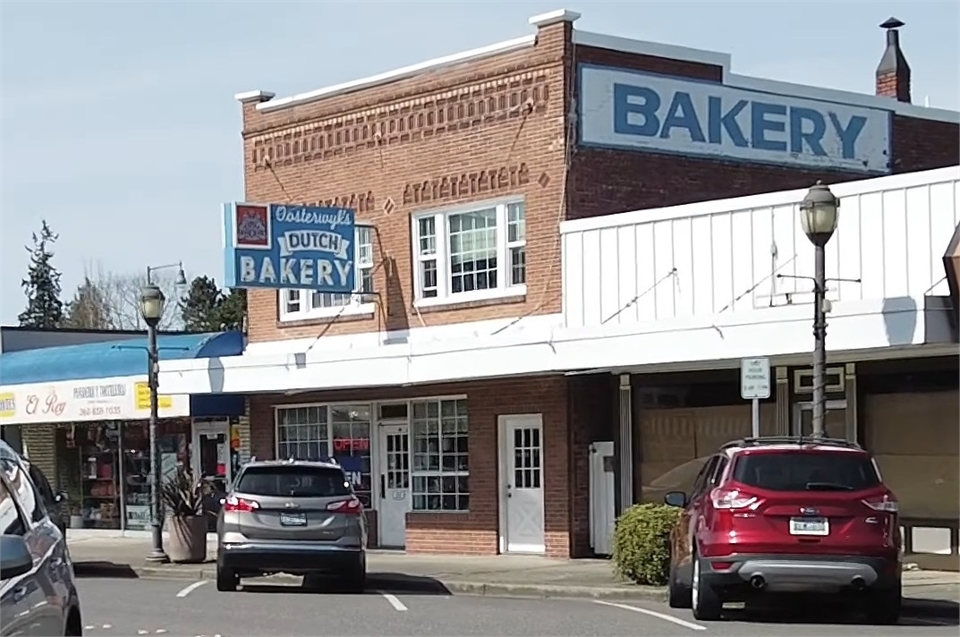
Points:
(151, 307)
(818, 217)
(181, 275)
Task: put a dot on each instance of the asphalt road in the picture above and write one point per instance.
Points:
(178, 608)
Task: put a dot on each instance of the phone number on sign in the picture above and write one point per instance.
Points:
(110, 410)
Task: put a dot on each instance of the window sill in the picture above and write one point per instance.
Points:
(485, 297)
(361, 311)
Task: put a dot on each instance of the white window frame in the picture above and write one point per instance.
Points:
(297, 305)
(441, 472)
(504, 289)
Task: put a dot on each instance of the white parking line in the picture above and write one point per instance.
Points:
(653, 613)
(189, 589)
(396, 603)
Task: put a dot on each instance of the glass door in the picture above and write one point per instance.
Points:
(211, 464)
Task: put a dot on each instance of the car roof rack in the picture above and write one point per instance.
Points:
(791, 440)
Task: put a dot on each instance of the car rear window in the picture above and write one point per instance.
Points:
(806, 471)
(295, 481)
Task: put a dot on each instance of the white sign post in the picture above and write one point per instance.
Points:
(755, 386)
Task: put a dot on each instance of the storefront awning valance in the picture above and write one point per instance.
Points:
(110, 359)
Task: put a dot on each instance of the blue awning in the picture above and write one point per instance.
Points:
(112, 358)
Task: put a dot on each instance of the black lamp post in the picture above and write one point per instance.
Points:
(151, 307)
(818, 217)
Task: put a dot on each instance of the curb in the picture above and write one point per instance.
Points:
(392, 582)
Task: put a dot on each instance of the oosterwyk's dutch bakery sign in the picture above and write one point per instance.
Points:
(643, 112)
(281, 246)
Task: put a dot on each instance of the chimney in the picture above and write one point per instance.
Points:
(893, 72)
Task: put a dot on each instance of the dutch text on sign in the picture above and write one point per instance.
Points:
(142, 394)
(650, 112)
(281, 246)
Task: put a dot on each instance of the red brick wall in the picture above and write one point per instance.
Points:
(475, 532)
(605, 181)
(440, 130)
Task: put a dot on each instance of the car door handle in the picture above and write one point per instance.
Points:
(19, 593)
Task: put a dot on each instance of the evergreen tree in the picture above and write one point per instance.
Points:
(89, 308)
(42, 285)
(200, 308)
(233, 309)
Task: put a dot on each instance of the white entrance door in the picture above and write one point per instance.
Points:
(394, 485)
(521, 476)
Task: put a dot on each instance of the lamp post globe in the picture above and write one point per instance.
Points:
(151, 304)
(819, 214)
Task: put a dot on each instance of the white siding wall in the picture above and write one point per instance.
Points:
(724, 256)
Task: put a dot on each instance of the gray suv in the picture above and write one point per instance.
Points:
(291, 516)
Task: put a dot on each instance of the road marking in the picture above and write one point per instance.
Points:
(189, 589)
(396, 603)
(653, 613)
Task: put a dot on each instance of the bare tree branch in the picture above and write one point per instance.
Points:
(121, 297)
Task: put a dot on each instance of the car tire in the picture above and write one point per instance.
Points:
(227, 580)
(679, 595)
(884, 605)
(705, 603)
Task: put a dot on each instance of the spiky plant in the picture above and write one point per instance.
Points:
(182, 495)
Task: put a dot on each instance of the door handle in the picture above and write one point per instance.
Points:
(509, 493)
(19, 593)
(383, 487)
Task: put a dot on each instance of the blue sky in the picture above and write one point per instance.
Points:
(118, 124)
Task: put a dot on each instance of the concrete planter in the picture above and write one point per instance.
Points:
(187, 538)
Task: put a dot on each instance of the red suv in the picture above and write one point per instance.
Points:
(783, 515)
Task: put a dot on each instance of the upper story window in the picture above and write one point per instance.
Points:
(297, 305)
(469, 253)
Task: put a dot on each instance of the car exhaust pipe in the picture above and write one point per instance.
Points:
(757, 582)
(858, 583)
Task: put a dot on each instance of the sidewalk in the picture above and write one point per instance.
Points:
(493, 575)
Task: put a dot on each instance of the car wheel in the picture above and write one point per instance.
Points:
(883, 606)
(227, 580)
(705, 602)
(679, 595)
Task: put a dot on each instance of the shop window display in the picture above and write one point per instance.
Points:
(136, 460)
(88, 470)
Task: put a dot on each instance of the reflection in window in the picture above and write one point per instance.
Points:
(321, 432)
(440, 456)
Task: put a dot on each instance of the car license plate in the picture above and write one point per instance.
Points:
(293, 519)
(809, 526)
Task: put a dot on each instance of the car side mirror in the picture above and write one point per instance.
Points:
(675, 499)
(15, 558)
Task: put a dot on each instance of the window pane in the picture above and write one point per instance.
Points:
(518, 266)
(516, 225)
(303, 482)
(473, 251)
(440, 463)
(302, 433)
(428, 278)
(828, 471)
(350, 425)
(428, 235)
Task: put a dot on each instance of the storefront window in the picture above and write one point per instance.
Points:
(318, 432)
(440, 457)
(172, 441)
(350, 426)
(88, 469)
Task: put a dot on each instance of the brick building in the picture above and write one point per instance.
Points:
(462, 169)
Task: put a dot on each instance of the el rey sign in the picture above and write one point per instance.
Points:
(644, 112)
(280, 246)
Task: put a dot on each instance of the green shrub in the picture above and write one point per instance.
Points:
(641, 543)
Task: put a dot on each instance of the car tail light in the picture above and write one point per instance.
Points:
(352, 505)
(885, 503)
(240, 505)
(733, 499)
